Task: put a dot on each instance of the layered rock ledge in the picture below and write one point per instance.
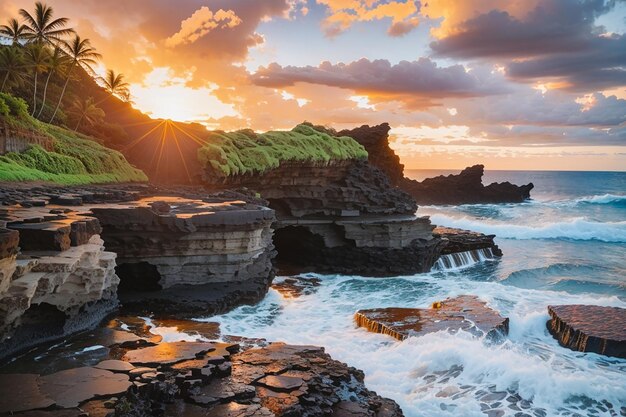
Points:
(466, 312)
(185, 256)
(59, 281)
(588, 328)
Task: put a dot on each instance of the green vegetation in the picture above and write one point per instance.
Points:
(245, 152)
(75, 159)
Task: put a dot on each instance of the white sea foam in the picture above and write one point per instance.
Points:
(576, 229)
(530, 362)
(602, 199)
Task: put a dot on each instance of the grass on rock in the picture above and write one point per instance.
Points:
(246, 152)
(75, 159)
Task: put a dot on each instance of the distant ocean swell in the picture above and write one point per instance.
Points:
(575, 229)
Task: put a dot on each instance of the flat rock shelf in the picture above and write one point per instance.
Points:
(466, 312)
(587, 328)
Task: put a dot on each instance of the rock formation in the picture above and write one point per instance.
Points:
(61, 280)
(464, 188)
(340, 215)
(183, 256)
(588, 328)
(375, 140)
(201, 378)
(460, 240)
(465, 312)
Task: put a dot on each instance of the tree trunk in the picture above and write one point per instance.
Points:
(79, 120)
(6, 77)
(35, 94)
(45, 91)
(69, 73)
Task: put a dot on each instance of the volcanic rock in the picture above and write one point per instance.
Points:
(464, 188)
(22, 392)
(71, 387)
(168, 353)
(375, 140)
(588, 328)
(466, 312)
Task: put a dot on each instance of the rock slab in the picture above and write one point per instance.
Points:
(466, 312)
(588, 328)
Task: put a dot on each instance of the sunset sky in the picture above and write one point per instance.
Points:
(517, 84)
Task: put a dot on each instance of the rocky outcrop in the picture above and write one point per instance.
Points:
(344, 217)
(460, 240)
(464, 188)
(60, 282)
(466, 312)
(182, 256)
(368, 246)
(588, 328)
(201, 378)
(344, 188)
(375, 140)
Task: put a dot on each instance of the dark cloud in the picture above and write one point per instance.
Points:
(411, 82)
(556, 41)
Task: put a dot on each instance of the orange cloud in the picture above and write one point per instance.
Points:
(201, 22)
(344, 13)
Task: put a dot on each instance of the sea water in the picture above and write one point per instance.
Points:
(565, 246)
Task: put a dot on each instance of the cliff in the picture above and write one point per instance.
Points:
(336, 212)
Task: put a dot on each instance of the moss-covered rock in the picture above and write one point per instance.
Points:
(246, 152)
(74, 159)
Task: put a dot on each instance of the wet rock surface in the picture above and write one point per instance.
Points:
(460, 240)
(464, 188)
(466, 312)
(200, 379)
(588, 328)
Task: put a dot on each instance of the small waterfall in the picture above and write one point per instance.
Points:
(461, 260)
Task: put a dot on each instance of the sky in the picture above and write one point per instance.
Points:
(512, 84)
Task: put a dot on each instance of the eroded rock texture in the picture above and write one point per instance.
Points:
(202, 379)
(375, 140)
(460, 240)
(588, 328)
(182, 256)
(464, 188)
(466, 312)
(345, 217)
(61, 281)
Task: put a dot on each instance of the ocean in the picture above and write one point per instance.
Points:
(565, 246)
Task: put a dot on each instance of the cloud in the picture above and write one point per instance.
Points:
(201, 22)
(416, 83)
(555, 40)
(342, 14)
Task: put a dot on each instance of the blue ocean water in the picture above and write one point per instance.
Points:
(565, 246)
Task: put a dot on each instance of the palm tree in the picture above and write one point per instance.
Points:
(41, 27)
(115, 84)
(12, 64)
(37, 58)
(14, 31)
(86, 110)
(57, 63)
(81, 54)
